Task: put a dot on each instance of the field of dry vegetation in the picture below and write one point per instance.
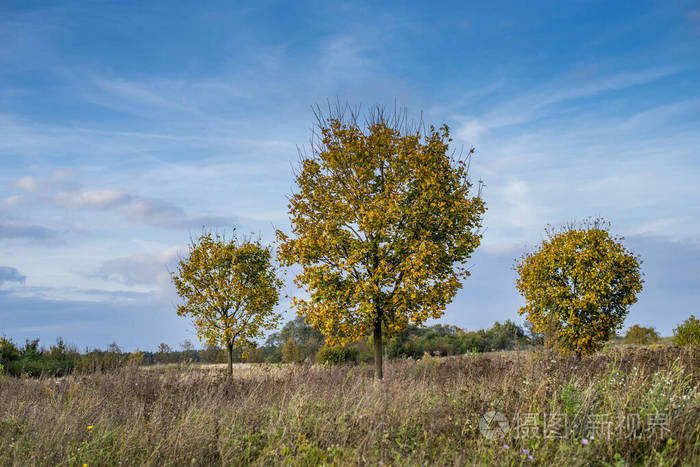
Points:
(424, 412)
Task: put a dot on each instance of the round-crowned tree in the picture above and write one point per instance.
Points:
(230, 289)
(578, 285)
(383, 222)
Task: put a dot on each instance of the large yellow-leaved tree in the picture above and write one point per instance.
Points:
(382, 223)
(230, 289)
(579, 286)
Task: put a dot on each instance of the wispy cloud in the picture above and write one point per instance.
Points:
(95, 199)
(572, 163)
(532, 105)
(26, 292)
(52, 189)
(145, 270)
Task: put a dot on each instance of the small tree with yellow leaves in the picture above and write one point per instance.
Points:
(135, 358)
(641, 335)
(290, 351)
(579, 286)
(230, 289)
(382, 225)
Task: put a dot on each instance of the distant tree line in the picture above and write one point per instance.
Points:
(58, 360)
(297, 342)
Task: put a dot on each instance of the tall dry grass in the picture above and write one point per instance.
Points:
(424, 412)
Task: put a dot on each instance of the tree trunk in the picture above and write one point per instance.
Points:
(230, 359)
(378, 351)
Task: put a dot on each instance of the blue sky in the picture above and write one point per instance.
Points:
(127, 126)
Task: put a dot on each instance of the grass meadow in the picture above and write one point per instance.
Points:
(624, 406)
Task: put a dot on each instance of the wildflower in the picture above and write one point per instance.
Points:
(526, 451)
(531, 458)
(505, 446)
(90, 427)
(584, 441)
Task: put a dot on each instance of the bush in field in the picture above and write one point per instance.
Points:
(290, 351)
(99, 361)
(579, 285)
(135, 358)
(641, 335)
(404, 347)
(26, 360)
(506, 336)
(333, 355)
(65, 358)
(33, 361)
(688, 332)
(8, 351)
(212, 354)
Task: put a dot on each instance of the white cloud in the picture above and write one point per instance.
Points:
(59, 178)
(152, 211)
(96, 199)
(470, 131)
(520, 206)
(28, 184)
(145, 270)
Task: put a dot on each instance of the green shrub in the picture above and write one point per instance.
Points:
(442, 346)
(35, 368)
(404, 348)
(336, 354)
(688, 332)
(8, 351)
(641, 335)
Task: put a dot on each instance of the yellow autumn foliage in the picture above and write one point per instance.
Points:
(579, 286)
(382, 224)
(229, 289)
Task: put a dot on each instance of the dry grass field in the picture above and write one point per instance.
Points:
(626, 406)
